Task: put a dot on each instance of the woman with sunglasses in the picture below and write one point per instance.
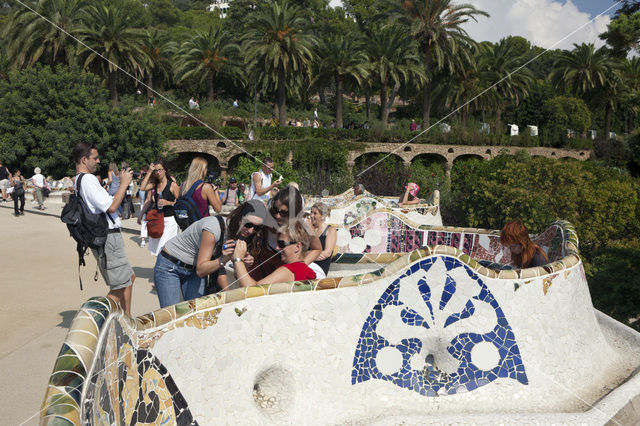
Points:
(293, 242)
(286, 205)
(191, 256)
(165, 193)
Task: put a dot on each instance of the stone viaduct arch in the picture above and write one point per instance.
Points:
(225, 150)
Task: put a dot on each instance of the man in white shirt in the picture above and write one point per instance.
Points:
(38, 182)
(112, 259)
(261, 185)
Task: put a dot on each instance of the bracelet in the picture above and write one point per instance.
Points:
(237, 259)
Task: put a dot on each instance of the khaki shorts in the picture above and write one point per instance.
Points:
(113, 263)
(4, 184)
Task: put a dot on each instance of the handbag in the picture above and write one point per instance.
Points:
(155, 222)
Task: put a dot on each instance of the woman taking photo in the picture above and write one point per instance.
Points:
(327, 235)
(204, 194)
(287, 204)
(189, 257)
(293, 242)
(164, 195)
(524, 252)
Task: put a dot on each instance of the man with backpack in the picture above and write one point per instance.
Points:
(112, 258)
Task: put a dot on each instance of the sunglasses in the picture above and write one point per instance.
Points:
(282, 243)
(282, 213)
(250, 225)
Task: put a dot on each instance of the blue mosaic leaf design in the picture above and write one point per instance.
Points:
(448, 327)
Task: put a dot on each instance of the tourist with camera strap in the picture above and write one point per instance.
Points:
(161, 224)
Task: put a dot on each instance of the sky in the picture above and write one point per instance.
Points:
(546, 23)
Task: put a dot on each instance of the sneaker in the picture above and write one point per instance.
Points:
(22, 212)
(16, 214)
(143, 243)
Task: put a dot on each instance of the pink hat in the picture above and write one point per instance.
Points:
(414, 188)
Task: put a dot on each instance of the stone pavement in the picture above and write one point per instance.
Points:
(40, 294)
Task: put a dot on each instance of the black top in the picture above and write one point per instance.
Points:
(324, 264)
(4, 173)
(167, 195)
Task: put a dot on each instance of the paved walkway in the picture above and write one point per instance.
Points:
(40, 293)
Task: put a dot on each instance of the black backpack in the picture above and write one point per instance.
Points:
(89, 230)
(185, 209)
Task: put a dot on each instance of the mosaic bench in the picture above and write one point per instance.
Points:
(384, 235)
(347, 208)
(432, 337)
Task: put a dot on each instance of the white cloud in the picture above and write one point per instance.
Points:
(545, 23)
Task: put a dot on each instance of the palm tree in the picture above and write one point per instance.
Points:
(205, 55)
(110, 43)
(159, 49)
(341, 58)
(497, 62)
(464, 84)
(631, 73)
(590, 74)
(31, 39)
(437, 27)
(277, 47)
(582, 69)
(394, 60)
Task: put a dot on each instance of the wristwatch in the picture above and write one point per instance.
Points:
(237, 259)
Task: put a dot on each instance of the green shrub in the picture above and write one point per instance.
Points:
(613, 274)
(601, 202)
(174, 132)
(612, 152)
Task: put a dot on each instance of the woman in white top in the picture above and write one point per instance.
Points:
(38, 183)
(166, 192)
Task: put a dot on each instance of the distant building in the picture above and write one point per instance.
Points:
(593, 134)
(485, 128)
(512, 130)
(533, 130)
(571, 134)
(221, 5)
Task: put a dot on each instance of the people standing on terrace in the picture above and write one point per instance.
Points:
(112, 259)
(410, 195)
(261, 185)
(4, 181)
(327, 235)
(205, 194)
(524, 252)
(38, 184)
(230, 197)
(165, 193)
(17, 181)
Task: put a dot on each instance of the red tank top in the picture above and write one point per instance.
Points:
(203, 205)
(301, 271)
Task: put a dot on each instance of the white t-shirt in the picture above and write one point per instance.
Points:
(97, 199)
(38, 180)
(266, 181)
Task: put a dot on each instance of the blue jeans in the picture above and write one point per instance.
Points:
(175, 283)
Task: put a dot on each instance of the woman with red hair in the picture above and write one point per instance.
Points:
(524, 252)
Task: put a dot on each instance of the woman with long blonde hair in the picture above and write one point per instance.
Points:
(205, 194)
(524, 252)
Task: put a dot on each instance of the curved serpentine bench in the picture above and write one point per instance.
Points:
(347, 208)
(431, 337)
